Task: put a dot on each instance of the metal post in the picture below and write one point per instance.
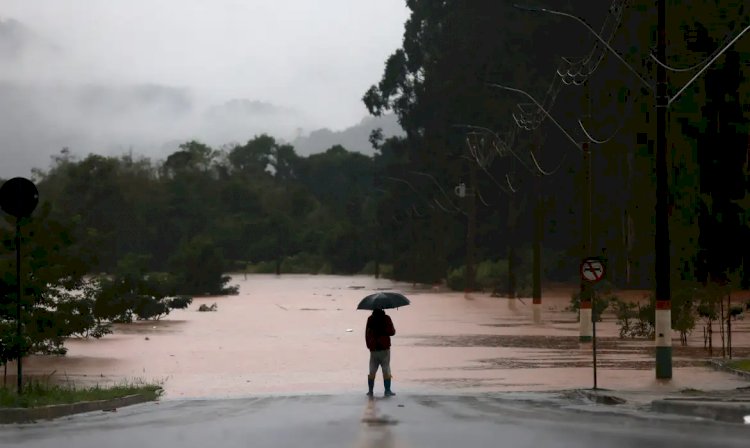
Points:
(19, 350)
(663, 316)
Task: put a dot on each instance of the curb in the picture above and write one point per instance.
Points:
(30, 415)
(714, 410)
(721, 365)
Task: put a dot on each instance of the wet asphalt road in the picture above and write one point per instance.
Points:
(353, 421)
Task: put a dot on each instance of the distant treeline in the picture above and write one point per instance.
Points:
(259, 206)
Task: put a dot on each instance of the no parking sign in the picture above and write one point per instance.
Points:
(592, 269)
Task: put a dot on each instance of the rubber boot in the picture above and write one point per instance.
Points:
(370, 386)
(388, 392)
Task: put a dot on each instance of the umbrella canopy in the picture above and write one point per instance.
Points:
(382, 301)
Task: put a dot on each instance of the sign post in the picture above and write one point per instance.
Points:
(592, 271)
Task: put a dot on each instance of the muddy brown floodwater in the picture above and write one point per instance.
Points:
(302, 334)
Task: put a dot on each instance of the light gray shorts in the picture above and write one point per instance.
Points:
(380, 358)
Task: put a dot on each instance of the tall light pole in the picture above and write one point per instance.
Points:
(661, 239)
(471, 231)
(537, 242)
(663, 318)
(585, 297)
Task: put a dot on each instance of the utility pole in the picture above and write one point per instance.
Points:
(662, 244)
(537, 247)
(511, 253)
(586, 312)
(471, 230)
(663, 316)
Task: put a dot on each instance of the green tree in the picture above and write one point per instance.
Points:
(199, 268)
(52, 270)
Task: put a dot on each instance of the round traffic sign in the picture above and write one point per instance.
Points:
(18, 197)
(592, 270)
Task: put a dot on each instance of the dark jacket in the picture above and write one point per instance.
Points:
(379, 331)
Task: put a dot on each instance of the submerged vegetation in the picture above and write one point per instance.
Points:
(459, 198)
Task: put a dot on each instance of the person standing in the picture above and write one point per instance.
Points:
(378, 338)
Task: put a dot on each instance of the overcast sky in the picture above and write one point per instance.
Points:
(310, 60)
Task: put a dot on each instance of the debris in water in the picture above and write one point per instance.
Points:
(204, 308)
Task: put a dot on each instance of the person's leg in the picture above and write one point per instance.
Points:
(373, 371)
(386, 363)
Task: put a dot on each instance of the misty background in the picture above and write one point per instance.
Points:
(144, 76)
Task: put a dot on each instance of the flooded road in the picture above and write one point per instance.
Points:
(302, 334)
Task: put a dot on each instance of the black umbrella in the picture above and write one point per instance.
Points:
(382, 301)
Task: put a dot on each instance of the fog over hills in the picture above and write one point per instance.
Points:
(51, 99)
(355, 138)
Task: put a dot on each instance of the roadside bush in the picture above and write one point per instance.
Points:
(457, 278)
(683, 311)
(603, 297)
(626, 314)
(634, 319)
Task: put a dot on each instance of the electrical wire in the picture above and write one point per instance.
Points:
(701, 64)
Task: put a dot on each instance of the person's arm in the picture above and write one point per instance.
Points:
(368, 335)
(390, 329)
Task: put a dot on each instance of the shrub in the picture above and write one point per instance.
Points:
(603, 297)
(457, 278)
(635, 320)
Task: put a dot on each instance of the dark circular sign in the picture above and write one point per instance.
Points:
(592, 269)
(18, 197)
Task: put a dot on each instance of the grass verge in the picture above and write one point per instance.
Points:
(37, 394)
(743, 365)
